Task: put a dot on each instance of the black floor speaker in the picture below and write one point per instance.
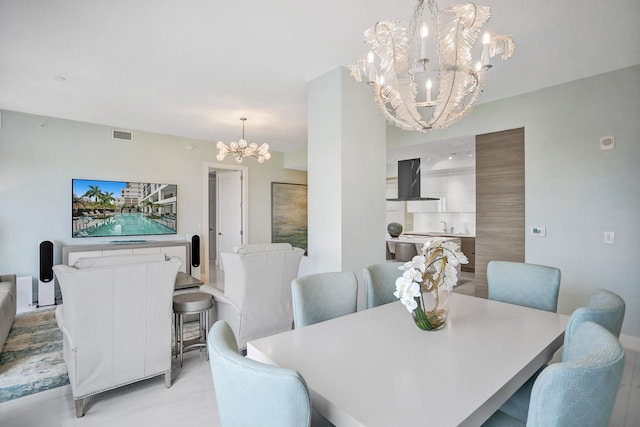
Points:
(195, 251)
(46, 261)
(46, 284)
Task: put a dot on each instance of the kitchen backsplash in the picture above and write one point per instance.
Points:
(462, 223)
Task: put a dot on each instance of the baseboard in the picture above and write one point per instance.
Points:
(630, 342)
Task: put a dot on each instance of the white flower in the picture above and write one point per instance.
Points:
(413, 274)
(455, 255)
(425, 247)
(443, 265)
(450, 277)
(416, 263)
(407, 290)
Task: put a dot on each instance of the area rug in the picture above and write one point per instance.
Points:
(31, 360)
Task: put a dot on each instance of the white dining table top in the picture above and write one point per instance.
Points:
(376, 368)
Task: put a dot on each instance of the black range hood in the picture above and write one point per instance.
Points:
(409, 181)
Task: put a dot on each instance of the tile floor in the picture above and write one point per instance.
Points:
(191, 402)
(191, 399)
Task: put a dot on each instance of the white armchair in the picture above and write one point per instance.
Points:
(256, 300)
(116, 321)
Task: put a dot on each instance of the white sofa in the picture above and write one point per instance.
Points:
(116, 321)
(256, 300)
(8, 299)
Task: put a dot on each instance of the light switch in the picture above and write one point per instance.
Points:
(538, 231)
(609, 237)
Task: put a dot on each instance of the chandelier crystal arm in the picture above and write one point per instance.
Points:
(396, 89)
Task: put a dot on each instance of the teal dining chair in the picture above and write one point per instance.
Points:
(604, 308)
(580, 391)
(323, 296)
(250, 393)
(380, 283)
(529, 285)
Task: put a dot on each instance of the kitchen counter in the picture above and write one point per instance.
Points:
(435, 234)
(418, 240)
(466, 242)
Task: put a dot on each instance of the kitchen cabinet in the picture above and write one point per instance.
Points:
(468, 247)
(456, 192)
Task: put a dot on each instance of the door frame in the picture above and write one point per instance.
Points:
(212, 167)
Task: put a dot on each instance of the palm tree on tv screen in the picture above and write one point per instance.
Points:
(106, 200)
(93, 192)
(79, 203)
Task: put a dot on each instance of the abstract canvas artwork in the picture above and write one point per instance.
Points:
(289, 214)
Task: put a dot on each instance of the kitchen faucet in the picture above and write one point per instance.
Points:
(444, 226)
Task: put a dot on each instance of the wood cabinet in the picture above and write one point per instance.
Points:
(500, 201)
(468, 247)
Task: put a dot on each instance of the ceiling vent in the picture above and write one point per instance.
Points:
(122, 135)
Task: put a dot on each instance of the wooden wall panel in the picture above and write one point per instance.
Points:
(499, 201)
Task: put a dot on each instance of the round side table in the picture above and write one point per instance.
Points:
(191, 303)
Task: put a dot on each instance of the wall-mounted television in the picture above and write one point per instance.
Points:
(120, 208)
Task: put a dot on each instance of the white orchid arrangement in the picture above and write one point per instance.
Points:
(434, 268)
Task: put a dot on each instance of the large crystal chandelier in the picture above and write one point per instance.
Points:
(242, 149)
(402, 75)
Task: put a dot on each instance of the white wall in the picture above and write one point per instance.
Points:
(572, 188)
(38, 162)
(346, 158)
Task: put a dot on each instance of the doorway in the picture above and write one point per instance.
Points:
(225, 212)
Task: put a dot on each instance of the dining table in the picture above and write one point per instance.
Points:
(375, 367)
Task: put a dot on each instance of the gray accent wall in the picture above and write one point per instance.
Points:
(572, 188)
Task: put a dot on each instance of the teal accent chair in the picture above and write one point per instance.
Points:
(579, 392)
(528, 285)
(380, 283)
(604, 308)
(323, 296)
(250, 393)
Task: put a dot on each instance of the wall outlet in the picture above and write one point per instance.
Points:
(609, 237)
(538, 231)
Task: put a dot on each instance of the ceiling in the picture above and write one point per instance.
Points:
(443, 155)
(192, 68)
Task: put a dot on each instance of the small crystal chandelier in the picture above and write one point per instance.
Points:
(241, 149)
(402, 76)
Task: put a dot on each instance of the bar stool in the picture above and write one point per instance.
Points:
(191, 303)
(405, 251)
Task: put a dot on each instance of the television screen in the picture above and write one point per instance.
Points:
(120, 208)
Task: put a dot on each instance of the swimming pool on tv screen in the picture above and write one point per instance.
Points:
(127, 224)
